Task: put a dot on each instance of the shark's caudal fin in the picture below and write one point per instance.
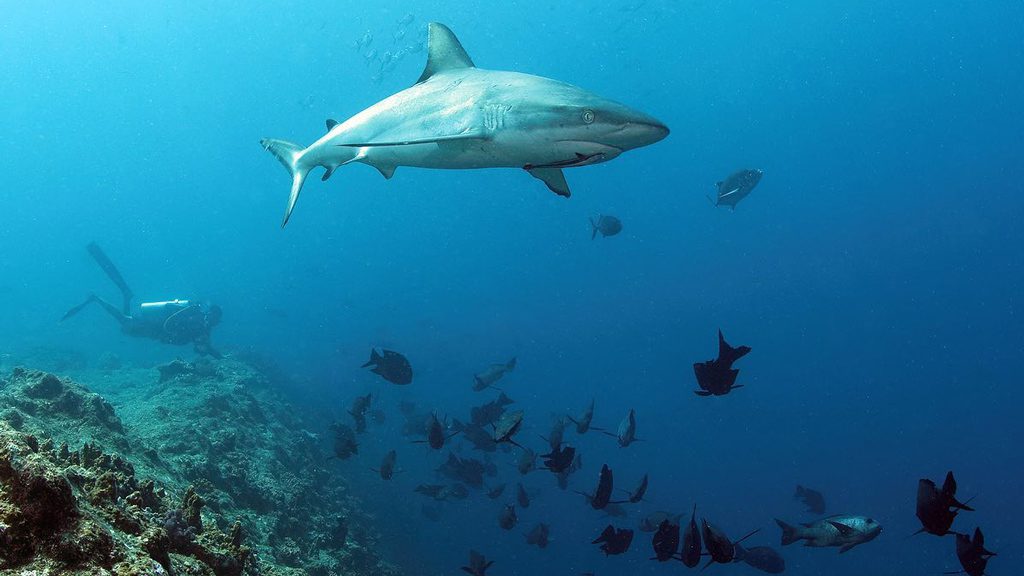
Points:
(290, 155)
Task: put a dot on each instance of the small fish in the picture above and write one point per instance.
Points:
(468, 470)
(650, 522)
(345, 444)
(490, 377)
(527, 461)
(583, 423)
(387, 466)
(478, 564)
(507, 426)
(603, 493)
(480, 438)
(637, 495)
(936, 508)
(364, 41)
(842, 530)
(557, 434)
(717, 377)
(436, 437)
(972, 553)
(627, 430)
(606, 225)
(559, 460)
(522, 498)
(763, 558)
(489, 413)
(736, 187)
(614, 540)
(407, 19)
(507, 519)
(360, 404)
(391, 366)
(496, 491)
(813, 499)
(690, 554)
(720, 547)
(538, 536)
(665, 541)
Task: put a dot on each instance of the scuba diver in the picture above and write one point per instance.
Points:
(177, 322)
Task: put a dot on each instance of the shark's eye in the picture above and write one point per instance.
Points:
(588, 116)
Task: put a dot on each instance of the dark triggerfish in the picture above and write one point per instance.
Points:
(391, 366)
(717, 377)
(614, 541)
(814, 500)
(972, 553)
(936, 508)
(478, 564)
(764, 558)
(690, 554)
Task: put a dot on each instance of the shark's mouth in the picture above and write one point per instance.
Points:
(579, 160)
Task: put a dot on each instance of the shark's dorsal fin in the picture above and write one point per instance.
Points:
(444, 52)
(331, 124)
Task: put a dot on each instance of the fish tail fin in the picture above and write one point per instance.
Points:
(511, 364)
(727, 353)
(593, 229)
(712, 202)
(290, 155)
(374, 359)
(789, 533)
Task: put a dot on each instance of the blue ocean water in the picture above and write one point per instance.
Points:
(876, 271)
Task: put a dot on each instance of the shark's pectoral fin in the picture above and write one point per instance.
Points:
(554, 178)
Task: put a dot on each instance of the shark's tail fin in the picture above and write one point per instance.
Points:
(290, 155)
(593, 229)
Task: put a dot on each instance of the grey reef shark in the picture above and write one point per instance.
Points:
(458, 116)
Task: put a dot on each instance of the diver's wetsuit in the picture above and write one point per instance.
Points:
(177, 322)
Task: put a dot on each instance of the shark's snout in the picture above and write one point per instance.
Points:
(637, 133)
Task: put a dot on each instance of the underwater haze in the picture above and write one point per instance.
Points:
(876, 270)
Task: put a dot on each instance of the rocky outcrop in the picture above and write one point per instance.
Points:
(202, 469)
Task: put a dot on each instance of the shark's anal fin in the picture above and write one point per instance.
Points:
(554, 178)
(327, 174)
(444, 52)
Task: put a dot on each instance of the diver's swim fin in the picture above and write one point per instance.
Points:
(77, 309)
(111, 271)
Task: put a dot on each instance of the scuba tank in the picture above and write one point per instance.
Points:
(157, 313)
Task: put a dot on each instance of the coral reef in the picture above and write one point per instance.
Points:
(201, 469)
